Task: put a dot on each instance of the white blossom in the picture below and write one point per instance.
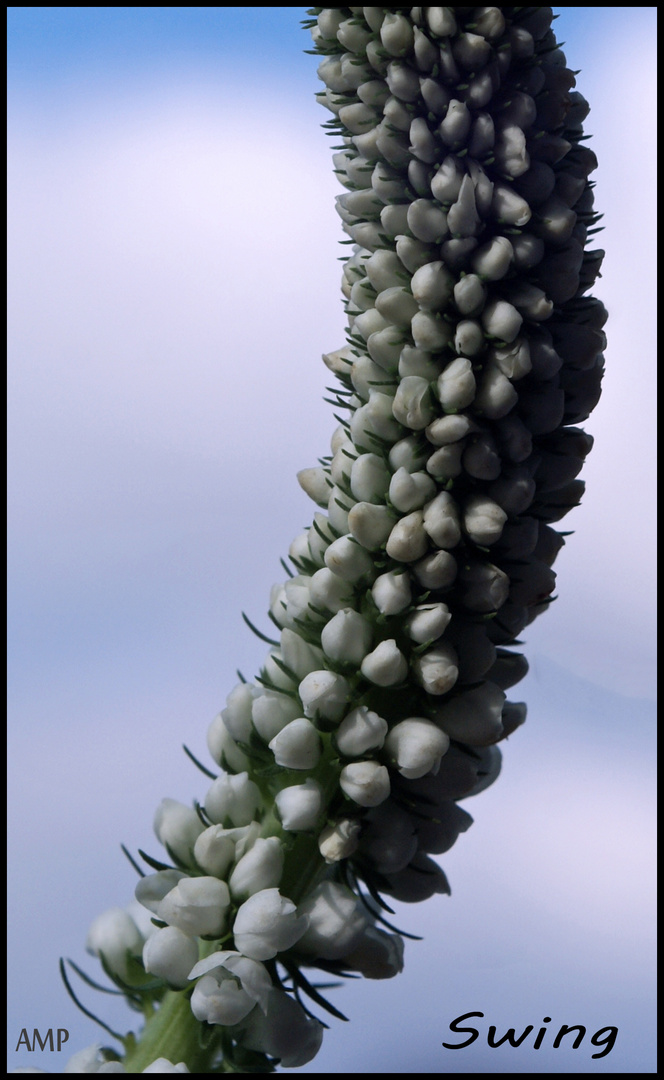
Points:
(115, 936)
(325, 694)
(299, 805)
(365, 782)
(170, 954)
(416, 745)
(359, 731)
(339, 840)
(266, 924)
(386, 665)
(197, 906)
(297, 745)
(346, 638)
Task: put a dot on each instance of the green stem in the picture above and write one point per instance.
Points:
(172, 1032)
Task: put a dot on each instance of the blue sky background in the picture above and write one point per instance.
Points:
(173, 282)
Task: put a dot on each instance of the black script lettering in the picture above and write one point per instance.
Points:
(459, 1030)
(609, 1042)
(565, 1030)
(509, 1035)
(541, 1033)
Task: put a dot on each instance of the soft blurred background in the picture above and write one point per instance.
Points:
(172, 283)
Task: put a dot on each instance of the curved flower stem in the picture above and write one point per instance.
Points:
(172, 1032)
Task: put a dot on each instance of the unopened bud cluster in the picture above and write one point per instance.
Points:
(472, 350)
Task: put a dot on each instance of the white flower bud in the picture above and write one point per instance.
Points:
(384, 269)
(315, 483)
(427, 221)
(428, 622)
(408, 541)
(296, 590)
(357, 117)
(260, 868)
(474, 717)
(446, 462)
(456, 385)
(386, 665)
(413, 253)
(436, 571)
(437, 670)
(151, 889)
(441, 521)
(338, 841)
(495, 396)
(418, 362)
(416, 745)
(483, 520)
(300, 805)
(91, 1059)
(329, 72)
(348, 559)
(369, 478)
(430, 332)
(501, 320)
(455, 126)
(513, 359)
(365, 782)
(448, 429)
(396, 34)
(469, 337)
(377, 955)
(115, 936)
(177, 826)
(237, 714)
(324, 693)
(252, 977)
(337, 921)
(384, 347)
(353, 36)
(432, 286)
(337, 509)
(273, 671)
(508, 207)
(297, 746)
(462, 217)
(485, 587)
(407, 454)
(347, 637)
(370, 525)
(272, 711)
(218, 998)
(284, 1032)
(266, 924)
(413, 406)
(170, 955)
(391, 592)
(397, 305)
(342, 462)
(197, 906)
(363, 374)
(469, 295)
(222, 745)
(214, 850)
(232, 799)
(491, 261)
(298, 654)
(159, 1065)
(359, 731)
(330, 591)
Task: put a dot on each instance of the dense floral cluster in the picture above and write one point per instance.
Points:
(472, 349)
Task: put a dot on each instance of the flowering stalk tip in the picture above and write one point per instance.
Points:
(473, 349)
